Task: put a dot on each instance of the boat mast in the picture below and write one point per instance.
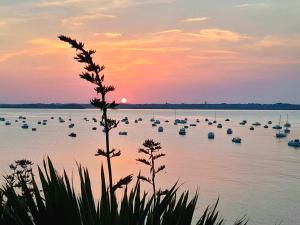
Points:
(279, 119)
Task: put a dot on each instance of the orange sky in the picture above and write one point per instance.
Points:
(153, 50)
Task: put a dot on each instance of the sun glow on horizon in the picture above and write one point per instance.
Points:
(124, 100)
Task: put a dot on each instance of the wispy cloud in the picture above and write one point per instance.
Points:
(112, 34)
(79, 20)
(195, 19)
(216, 34)
(253, 5)
(4, 56)
(275, 41)
(60, 3)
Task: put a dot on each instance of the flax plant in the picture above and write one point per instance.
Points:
(151, 150)
(93, 74)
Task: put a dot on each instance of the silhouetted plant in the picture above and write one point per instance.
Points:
(21, 172)
(54, 201)
(152, 151)
(92, 74)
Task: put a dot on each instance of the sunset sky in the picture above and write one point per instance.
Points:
(155, 51)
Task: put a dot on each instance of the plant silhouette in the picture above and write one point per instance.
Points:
(93, 74)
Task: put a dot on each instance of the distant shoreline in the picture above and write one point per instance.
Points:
(221, 106)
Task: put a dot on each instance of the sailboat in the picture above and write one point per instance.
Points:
(280, 134)
(175, 120)
(278, 127)
(152, 119)
(215, 121)
(287, 124)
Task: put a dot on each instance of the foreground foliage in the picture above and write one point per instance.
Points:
(58, 203)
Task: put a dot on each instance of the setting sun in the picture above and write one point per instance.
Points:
(124, 100)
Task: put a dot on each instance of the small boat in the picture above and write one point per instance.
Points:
(94, 128)
(167, 121)
(95, 120)
(210, 135)
(2, 119)
(237, 140)
(44, 123)
(126, 122)
(61, 120)
(152, 120)
(73, 135)
(154, 124)
(229, 131)
(52, 118)
(39, 122)
(251, 128)
(294, 143)
(243, 122)
(25, 126)
(71, 125)
(287, 124)
(86, 119)
(227, 120)
(160, 129)
(140, 119)
(182, 131)
(209, 123)
(122, 133)
(7, 123)
(157, 122)
(287, 130)
(124, 119)
(219, 125)
(256, 124)
(193, 125)
(186, 127)
(197, 120)
(215, 120)
(281, 134)
(16, 121)
(269, 122)
(206, 120)
(33, 129)
(266, 126)
(136, 121)
(278, 126)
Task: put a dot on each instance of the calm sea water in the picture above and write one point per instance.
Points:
(259, 178)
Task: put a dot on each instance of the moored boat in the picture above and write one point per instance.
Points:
(211, 135)
(281, 134)
(24, 126)
(294, 143)
(122, 133)
(182, 131)
(73, 135)
(160, 129)
(229, 131)
(237, 140)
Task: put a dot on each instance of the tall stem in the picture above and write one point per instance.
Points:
(153, 179)
(107, 150)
